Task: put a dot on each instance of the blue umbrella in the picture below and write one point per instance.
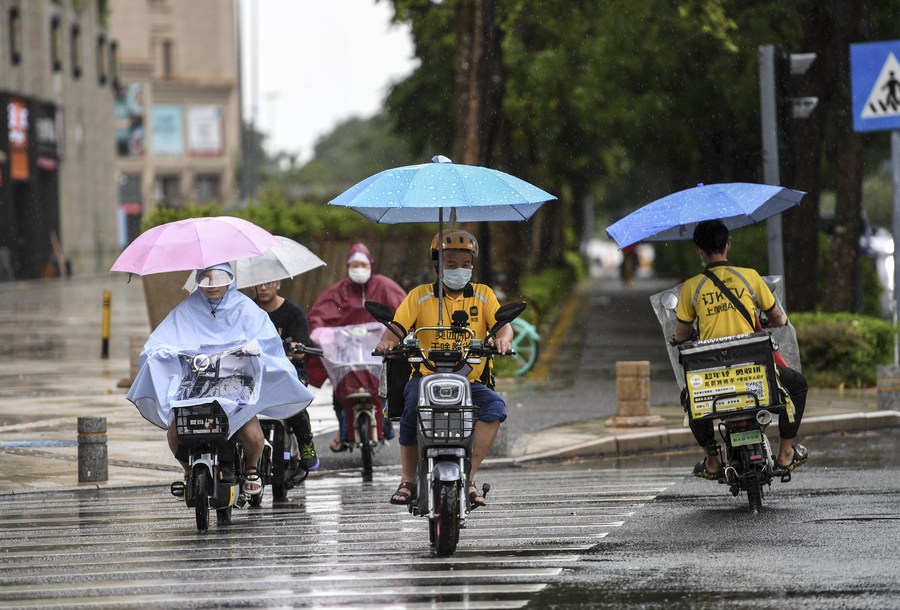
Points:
(674, 217)
(443, 190)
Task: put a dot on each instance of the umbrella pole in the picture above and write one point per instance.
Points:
(440, 265)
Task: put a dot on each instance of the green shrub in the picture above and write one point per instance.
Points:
(546, 289)
(842, 349)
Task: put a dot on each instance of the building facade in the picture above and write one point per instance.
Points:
(58, 209)
(178, 112)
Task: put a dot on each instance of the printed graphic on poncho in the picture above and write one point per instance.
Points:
(219, 372)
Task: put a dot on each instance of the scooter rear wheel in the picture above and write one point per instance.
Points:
(754, 495)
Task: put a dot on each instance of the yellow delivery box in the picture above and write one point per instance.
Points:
(730, 374)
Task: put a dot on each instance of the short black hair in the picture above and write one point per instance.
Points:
(711, 236)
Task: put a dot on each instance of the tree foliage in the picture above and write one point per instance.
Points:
(624, 101)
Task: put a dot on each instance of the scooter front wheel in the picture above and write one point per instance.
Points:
(364, 438)
(201, 498)
(445, 523)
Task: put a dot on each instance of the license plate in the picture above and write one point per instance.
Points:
(746, 438)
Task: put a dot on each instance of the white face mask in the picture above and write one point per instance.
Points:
(456, 279)
(359, 275)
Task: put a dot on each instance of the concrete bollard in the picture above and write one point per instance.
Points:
(888, 382)
(92, 452)
(633, 396)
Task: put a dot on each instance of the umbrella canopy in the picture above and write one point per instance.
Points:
(673, 218)
(443, 190)
(193, 243)
(286, 259)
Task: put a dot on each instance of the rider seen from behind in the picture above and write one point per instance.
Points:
(701, 300)
(470, 305)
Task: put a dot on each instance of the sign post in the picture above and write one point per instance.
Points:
(875, 85)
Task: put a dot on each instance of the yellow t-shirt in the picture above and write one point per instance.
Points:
(420, 309)
(701, 300)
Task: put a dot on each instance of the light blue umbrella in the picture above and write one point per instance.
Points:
(673, 218)
(443, 190)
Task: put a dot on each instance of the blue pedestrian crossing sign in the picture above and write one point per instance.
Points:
(875, 83)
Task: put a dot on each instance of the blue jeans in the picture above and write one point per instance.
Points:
(491, 407)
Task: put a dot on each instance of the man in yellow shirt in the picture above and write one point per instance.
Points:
(716, 316)
(420, 308)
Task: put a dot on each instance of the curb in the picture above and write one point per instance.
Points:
(679, 438)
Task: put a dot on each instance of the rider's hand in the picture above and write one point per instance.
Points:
(251, 348)
(291, 353)
(504, 346)
(385, 346)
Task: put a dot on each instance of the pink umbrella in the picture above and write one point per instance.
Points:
(193, 243)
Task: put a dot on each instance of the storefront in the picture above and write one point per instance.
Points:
(30, 245)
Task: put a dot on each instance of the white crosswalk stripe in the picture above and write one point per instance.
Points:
(337, 544)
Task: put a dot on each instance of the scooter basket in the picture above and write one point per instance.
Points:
(730, 374)
(207, 422)
(447, 424)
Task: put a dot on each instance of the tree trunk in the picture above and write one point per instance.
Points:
(850, 24)
(480, 86)
(801, 167)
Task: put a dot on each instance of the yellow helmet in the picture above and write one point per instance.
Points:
(455, 239)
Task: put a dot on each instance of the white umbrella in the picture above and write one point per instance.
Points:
(286, 259)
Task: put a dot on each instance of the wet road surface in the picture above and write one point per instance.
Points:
(337, 543)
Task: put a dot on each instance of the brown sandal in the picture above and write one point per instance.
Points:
(475, 498)
(405, 494)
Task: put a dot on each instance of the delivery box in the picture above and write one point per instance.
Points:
(730, 374)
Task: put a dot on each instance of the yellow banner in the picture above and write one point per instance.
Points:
(739, 380)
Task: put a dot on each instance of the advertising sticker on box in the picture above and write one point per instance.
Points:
(734, 387)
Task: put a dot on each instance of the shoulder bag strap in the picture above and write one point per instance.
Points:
(730, 295)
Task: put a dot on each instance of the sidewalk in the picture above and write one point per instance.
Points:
(47, 382)
(827, 411)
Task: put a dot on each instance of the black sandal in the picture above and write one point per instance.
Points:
(801, 455)
(406, 492)
(700, 469)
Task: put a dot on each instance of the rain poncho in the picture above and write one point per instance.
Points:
(197, 326)
(343, 302)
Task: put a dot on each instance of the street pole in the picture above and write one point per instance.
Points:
(895, 208)
(771, 171)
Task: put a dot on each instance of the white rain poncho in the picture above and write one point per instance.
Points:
(245, 385)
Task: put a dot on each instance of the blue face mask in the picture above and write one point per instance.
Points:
(456, 279)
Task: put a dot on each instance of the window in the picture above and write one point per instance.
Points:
(166, 58)
(114, 63)
(15, 36)
(208, 186)
(76, 51)
(55, 44)
(102, 60)
(166, 194)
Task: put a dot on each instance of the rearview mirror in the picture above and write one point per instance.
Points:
(384, 314)
(381, 312)
(506, 314)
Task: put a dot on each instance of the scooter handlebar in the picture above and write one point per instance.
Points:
(294, 347)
